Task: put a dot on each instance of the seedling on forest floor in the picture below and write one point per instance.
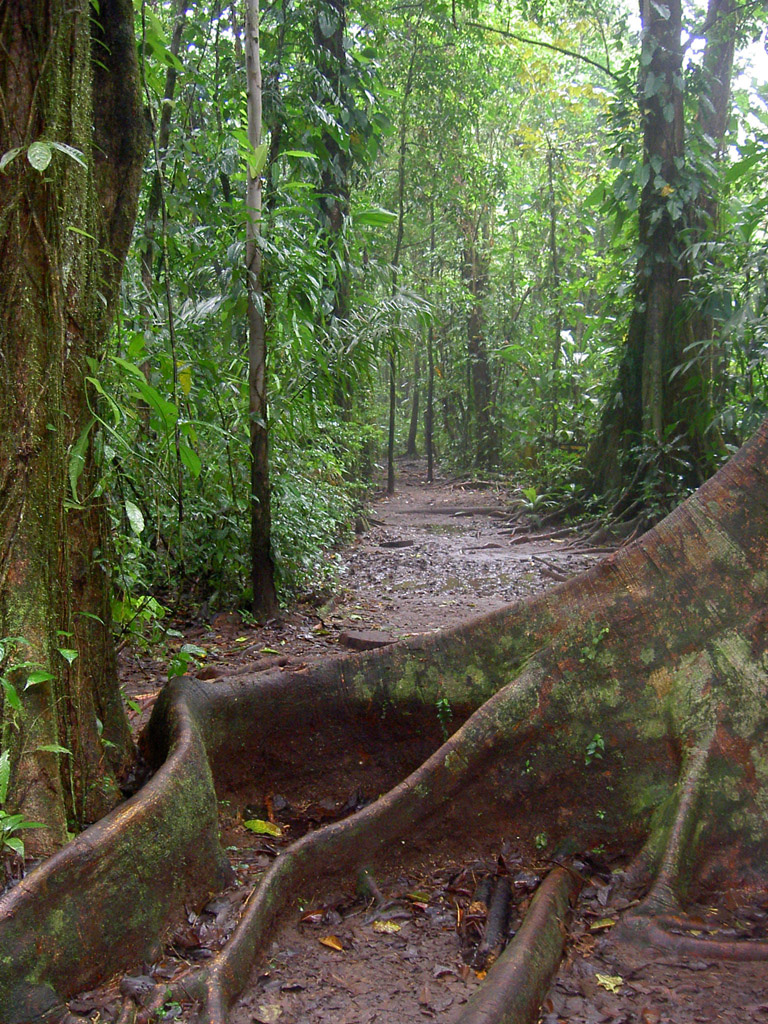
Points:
(595, 749)
(540, 841)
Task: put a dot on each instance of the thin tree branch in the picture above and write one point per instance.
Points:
(548, 46)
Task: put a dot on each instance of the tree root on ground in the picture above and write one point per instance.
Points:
(519, 980)
(626, 703)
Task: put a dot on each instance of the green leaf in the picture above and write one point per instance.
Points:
(15, 844)
(263, 828)
(374, 216)
(77, 459)
(67, 654)
(70, 151)
(257, 159)
(39, 155)
(54, 748)
(166, 410)
(5, 775)
(300, 154)
(11, 694)
(37, 677)
(9, 155)
(135, 517)
(199, 652)
(327, 22)
(191, 460)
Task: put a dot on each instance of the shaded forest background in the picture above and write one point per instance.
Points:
(451, 223)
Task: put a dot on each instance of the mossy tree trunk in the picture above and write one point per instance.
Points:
(653, 435)
(64, 232)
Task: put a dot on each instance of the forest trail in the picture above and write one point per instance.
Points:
(411, 948)
(429, 557)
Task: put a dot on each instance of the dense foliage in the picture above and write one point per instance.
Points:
(449, 189)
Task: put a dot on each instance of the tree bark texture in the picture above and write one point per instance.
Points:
(68, 76)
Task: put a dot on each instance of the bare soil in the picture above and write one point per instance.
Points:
(407, 946)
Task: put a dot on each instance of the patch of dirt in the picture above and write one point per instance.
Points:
(406, 947)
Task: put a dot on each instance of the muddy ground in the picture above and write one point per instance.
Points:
(408, 946)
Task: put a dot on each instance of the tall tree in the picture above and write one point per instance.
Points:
(654, 425)
(262, 566)
(72, 138)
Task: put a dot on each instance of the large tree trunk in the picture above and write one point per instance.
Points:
(64, 232)
(653, 429)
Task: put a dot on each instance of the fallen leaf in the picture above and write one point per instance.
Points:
(480, 975)
(269, 650)
(332, 942)
(611, 982)
(268, 1014)
(263, 828)
(602, 924)
(417, 897)
(386, 927)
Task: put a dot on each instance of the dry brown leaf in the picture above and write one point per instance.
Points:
(332, 942)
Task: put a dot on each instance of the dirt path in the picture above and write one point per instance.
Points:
(426, 559)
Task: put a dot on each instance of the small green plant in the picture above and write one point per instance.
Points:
(186, 658)
(139, 619)
(540, 841)
(10, 824)
(595, 749)
(444, 714)
(591, 648)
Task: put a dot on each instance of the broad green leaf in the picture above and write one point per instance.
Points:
(185, 379)
(11, 694)
(39, 155)
(328, 22)
(130, 368)
(55, 748)
(135, 517)
(263, 828)
(70, 151)
(15, 844)
(191, 460)
(374, 216)
(257, 159)
(301, 154)
(5, 775)
(166, 410)
(37, 677)
(67, 654)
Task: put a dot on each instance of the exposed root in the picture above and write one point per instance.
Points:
(673, 933)
(348, 846)
(519, 980)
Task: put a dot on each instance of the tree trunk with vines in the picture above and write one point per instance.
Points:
(69, 80)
